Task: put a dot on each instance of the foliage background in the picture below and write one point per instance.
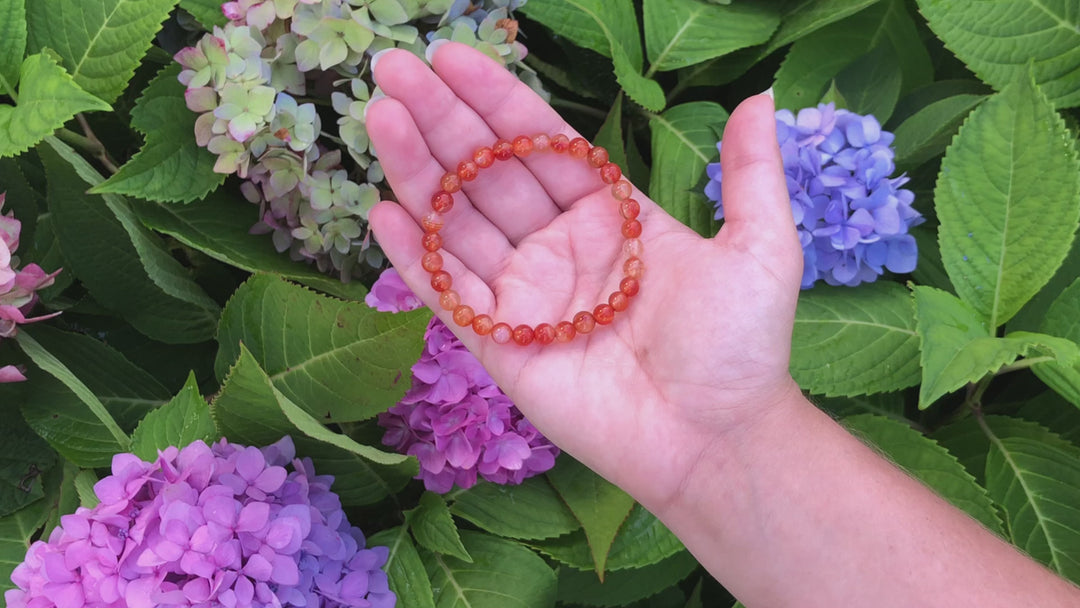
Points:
(179, 325)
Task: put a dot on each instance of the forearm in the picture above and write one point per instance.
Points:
(797, 512)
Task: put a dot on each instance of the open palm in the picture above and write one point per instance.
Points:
(701, 351)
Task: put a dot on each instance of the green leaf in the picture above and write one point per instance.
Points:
(182, 420)
(124, 266)
(999, 40)
(84, 487)
(249, 410)
(855, 341)
(345, 361)
(47, 99)
(969, 439)
(61, 496)
(993, 199)
(170, 149)
(679, 33)
(610, 135)
(1054, 412)
(813, 61)
(596, 23)
(888, 405)
(218, 226)
(957, 345)
(434, 529)
(803, 17)
(208, 12)
(928, 462)
(101, 41)
(1063, 320)
(926, 133)
(530, 511)
(24, 458)
(597, 504)
(503, 575)
(871, 83)
(642, 541)
(408, 579)
(12, 42)
(1038, 486)
(17, 531)
(624, 586)
(683, 142)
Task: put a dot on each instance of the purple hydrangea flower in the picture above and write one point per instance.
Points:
(455, 419)
(206, 526)
(852, 218)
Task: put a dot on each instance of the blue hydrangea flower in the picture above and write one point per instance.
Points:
(852, 217)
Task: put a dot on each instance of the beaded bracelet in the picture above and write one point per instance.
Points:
(583, 322)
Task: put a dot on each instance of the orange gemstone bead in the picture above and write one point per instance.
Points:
(432, 261)
(441, 280)
(523, 145)
(449, 300)
(541, 142)
(604, 314)
(619, 301)
(503, 150)
(467, 170)
(431, 241)
(482, 324)
(610, 173)
(634, 268)
(633, 248)
(598, 157)
(524, 335)
(501, 333)
(631, 229)
(544, 334)
(629, 286)
(432, 222)
(442, 202)
(621, 190)
(463, 315)
(560, 143)
(579, 148)
(564, 331)
(629, 209)
(584, 322)
(450, 183)
(483, 157)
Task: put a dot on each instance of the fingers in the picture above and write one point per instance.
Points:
(413, 173)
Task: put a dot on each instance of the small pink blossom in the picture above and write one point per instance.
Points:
(391, 294)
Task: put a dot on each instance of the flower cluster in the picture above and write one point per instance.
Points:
(852, 218)
(221, 526)
(18, 288)
(455, 419)
(249, 80)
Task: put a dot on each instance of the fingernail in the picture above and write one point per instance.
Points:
(434, 46)
(376, 96)
(376, 56)
(769, 92)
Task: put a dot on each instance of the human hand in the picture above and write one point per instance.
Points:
(701, 353)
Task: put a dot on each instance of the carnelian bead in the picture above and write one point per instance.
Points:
(621, 190)
(484, 157)
(442, 202)
(463, 315)
(634, 268)
(610, 173)
(560, 143)
(630, 286)
(523, 145)
(629, 209)
(619, 301)
(633, 248)
(579, 148)
(584, 322)
(631, 229)
(564, 331)
(431, 241)
(449, 300)
(541, 142)
(432, 261)
(544, 334)
(432, 222)
(604, 313)
(503, 150)
(598, 157)
(524, 335)
(482, 324)
(450, 183)
(467, 170)
(441, 280)
(501, 333)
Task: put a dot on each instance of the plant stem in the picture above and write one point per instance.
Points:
(578, 107)
(1024, 364)
(9, 88)
(93, 145)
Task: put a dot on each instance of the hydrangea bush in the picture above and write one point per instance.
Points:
(935, 183)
